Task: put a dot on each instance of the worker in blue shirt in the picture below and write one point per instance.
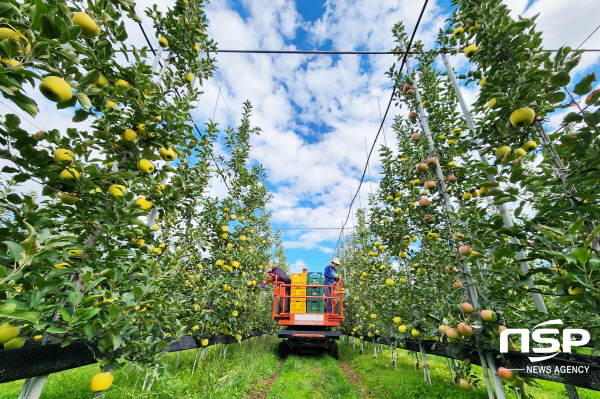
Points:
(330, 276)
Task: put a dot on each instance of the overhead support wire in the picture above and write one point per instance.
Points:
(383, 120)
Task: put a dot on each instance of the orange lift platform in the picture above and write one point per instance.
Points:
(305, 327)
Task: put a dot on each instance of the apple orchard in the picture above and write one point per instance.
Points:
(479, 225)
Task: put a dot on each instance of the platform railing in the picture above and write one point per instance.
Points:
(280, 296)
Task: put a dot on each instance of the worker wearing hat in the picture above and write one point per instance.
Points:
(330, 276)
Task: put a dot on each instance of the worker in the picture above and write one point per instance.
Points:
(330, 276)
(277, 273)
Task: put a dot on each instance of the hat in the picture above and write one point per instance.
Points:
(336, 261)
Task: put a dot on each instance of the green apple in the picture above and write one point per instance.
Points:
(89, 28)
(522, 117)
(56, 89)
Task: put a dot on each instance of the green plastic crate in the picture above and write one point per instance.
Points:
(314, 278)
(314, 306)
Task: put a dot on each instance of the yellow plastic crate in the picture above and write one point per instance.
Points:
(298, 278)
(298, 306)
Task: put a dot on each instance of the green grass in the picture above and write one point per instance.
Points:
(305, 376)
(214, 377)
(379, 377)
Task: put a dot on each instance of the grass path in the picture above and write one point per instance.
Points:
(304, 376)
(377, 378)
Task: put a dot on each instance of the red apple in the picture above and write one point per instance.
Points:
(406, 88)
(415, 136)
(428, 219)
(465, 250)
(488, 315)
(422, 167)
(412, 115)
(451, 178)
(431, 161)
(464, 329)
(424, 202)
(467, 307)
(429, 184)
(507, 374)
(456, 285)
(452, 333)
(498, 330)
(458, 236)
(466, 385)
(411, 91)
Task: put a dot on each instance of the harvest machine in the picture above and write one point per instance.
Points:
(306, 328)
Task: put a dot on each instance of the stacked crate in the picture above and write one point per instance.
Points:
(298, 305)
(314, 305)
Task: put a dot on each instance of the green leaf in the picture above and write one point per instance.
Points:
(15, 251)
(581, 254)
(592, 119)
(573, 117)
(585, 85)
(21, 315)
(80, 115)
(38, 10)
(25, 103)
(84, 100)
(90, 77)
(561, 79)
(49, 28)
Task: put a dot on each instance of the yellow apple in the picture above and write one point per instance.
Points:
(89, 28)
(117, 190)
(110, 105)
(139, 241)
(163, 42)
(470, 50)
(14, 343)
(11, 62)
(188, 77)
(167, 154)
(144, 203)
(415, 333)
(457, 132)
(121, 82)
(522, 117)
(458, 31)
(56, 89)
(75, 253)
(492, 103)
(101, 382)
(64, 156)
(145, 166)
(521, 152)
(129, 135)
(102, 81)
(389, 282)
(529, 145)
(474, 28)
(61, 266)
(8, 332)
(155, 227)
(467, 196)
(484, 190)
(71, 174)
(502, 151)
(68, 199)
(197, 47)
(143, 131)
(482, 82)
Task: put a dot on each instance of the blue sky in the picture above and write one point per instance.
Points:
(317, 111)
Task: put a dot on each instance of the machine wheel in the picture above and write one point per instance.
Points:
(284, 350)
(333, 350)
